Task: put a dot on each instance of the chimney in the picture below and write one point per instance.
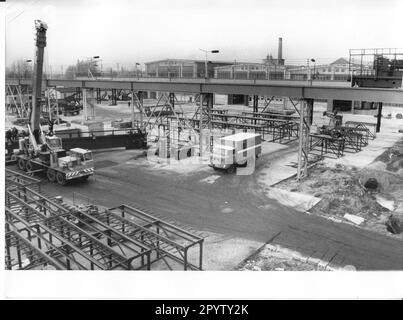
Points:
(280, 49)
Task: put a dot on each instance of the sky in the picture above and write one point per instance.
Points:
(126, 32)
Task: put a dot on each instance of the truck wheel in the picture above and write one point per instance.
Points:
(51, 175)
(231, 169)
(29, 166)
(22, 165)
(61, 179)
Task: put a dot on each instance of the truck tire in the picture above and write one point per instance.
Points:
(22, 165)
(29, 166)
(60, 178)
(231, 169)
(51, 175)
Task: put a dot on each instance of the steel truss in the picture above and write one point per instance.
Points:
(171, 243)
(51, 107)
(364, 127)
(281, 130)
(16, 179)
(326, 145)
(19, 96)
(93, 246)
(355, 138)
(43, 232)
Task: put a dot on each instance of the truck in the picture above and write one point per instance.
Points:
(235, 150)
(61, 166)
(40, 151)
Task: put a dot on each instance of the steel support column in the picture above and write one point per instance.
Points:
(99, 98)
(255, 106)
(114, 97)
(378, 117)
(172, 99)
(303, 149)
(85, 106)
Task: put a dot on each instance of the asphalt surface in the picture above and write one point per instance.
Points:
(233, 205)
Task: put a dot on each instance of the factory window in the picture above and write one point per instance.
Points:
(329, 70)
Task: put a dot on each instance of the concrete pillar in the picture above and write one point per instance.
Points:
(330, 105)
(246, 101)
(194, 70)
(379, 117)
(85, 106)
(352, 106)
(156, 72)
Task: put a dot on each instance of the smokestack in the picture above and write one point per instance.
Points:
(280, 49)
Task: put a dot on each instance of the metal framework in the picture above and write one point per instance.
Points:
(51, 107)
(296, 89)
(19, 100)
(326, 145)
(16, 179)
(43, 231)
(368, 128)
(171, 243)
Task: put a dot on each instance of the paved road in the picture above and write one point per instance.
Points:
(234, 205)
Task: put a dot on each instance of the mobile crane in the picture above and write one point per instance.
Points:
(40, 152)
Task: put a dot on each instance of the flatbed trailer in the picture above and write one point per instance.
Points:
(54, 173)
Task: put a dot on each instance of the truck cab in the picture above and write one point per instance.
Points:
(234, 151)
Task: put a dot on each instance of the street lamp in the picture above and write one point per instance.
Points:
(314, 61)
(206, 52)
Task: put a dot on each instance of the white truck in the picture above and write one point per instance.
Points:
(235, 150)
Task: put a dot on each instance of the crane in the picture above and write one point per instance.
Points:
(44, 153)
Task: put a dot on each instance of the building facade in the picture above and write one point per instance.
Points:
(182, 68)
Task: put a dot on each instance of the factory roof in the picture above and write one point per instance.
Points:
(189, 60)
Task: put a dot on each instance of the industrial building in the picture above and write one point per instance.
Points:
(182, 68)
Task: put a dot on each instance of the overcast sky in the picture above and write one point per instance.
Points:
(123, 31)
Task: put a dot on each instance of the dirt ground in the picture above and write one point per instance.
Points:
(342, 190)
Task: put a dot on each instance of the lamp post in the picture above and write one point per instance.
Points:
(206, 52)
(314, 66)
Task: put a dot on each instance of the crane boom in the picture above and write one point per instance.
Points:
(41, 28)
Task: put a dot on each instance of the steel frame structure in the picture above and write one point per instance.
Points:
(365, 127)
(326, 145)
(20, 100)
(170, 242)
(15, 179)
(42, 231)
(91, 247)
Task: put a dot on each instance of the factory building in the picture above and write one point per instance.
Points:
(269, 68)
(182, 68)
(335, 71)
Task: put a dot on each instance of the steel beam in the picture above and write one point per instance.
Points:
(287, 88)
